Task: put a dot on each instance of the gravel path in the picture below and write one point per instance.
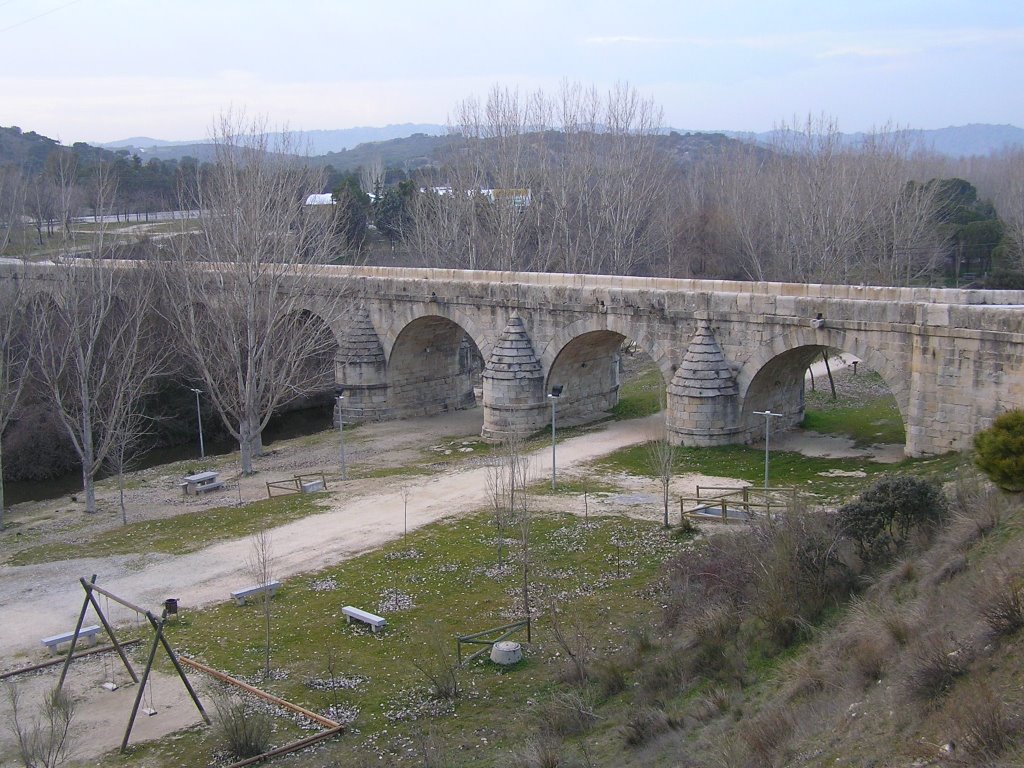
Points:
(43, 599)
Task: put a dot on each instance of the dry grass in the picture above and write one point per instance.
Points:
(566, 713)
(933, 667)
(982, 722)
(645, 724)
(767, 734)
(1002, 604)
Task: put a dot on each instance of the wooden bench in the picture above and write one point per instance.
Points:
(366, 617)
(242, 595)
(65, 637)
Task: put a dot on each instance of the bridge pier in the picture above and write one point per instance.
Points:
(361, 372)
(515, 403)
(703, 407)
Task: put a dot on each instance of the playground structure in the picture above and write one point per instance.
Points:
(331, 728)
(170, 606)
(735, 505)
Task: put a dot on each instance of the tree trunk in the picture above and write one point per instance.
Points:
(245, 446)
(1, 487)
(120, 489)
(89, 487)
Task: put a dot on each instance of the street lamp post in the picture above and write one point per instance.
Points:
(199, 420)
(555, 393)
(767, 431)
(341, 434)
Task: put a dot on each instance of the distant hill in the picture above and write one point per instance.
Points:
(29, 150)
(411, 146)
(140, 141)
(954, 141)
(313, 143)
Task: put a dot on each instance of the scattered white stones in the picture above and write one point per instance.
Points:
(404, 554)
(324, 585)
(843, 473)
(393, 600)
(338, 683)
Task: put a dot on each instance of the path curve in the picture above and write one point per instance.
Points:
(44, 599)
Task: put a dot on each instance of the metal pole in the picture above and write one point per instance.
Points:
(554, 401)
(341, 438)
(767, 432)
(199, 420)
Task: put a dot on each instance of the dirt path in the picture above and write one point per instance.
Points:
(364, 515)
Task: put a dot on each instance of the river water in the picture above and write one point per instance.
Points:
(306, 421)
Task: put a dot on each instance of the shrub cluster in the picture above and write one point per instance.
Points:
(881, 520)
(999, 451)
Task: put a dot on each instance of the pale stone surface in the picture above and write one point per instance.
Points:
(953, 359)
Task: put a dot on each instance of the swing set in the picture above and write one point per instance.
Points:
(91, 589)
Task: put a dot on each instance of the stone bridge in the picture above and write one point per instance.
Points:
(418, 341)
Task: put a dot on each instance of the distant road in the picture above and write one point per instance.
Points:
(135, 218)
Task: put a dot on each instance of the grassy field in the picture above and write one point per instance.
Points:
(444, 580)
(604, 575)
(180, 534)
(863, 410)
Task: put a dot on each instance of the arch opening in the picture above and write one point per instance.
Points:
(434, 367)
(315, 377)
(604, 372)
(862, 418)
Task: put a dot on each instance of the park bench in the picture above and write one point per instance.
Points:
(366, 617)
(201, 483)
(242, 595)
(65, 637)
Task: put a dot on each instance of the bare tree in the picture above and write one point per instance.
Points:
(497, 481)
(574, 640)
(371, 177)
(12, 203)
(519, 503)
(14, 358)
(96, 357)
(45, 742)
(240, 286)
(813, 208)
(260, 566)
(1008, 195)
(571, 183)
(507, 477)
(124, 443)
(96, 347)
(661, 456)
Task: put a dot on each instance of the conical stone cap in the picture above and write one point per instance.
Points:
(360, 343)
(513, 357)
(704, 371)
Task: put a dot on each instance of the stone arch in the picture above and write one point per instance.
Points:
(433, 364)
(614, 324)
(335, 320)
(390, 332)
(773, 378)
(584, 359)
(318, 358)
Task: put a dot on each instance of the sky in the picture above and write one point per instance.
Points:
(102, 70)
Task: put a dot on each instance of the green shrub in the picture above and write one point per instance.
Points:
(881, 520)
(999, 451)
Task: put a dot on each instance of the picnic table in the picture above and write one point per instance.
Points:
(201, 482)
